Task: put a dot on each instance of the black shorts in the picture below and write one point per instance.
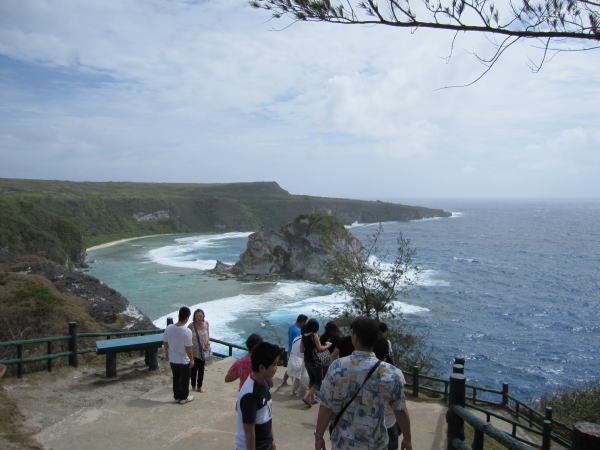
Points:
(315, 376)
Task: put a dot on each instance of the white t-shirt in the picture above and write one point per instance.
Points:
(178, 339)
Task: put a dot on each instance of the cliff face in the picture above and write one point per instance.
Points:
(58, 219)
(300, 249)
(38, 297)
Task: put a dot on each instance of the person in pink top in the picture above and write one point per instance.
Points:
(242, 368)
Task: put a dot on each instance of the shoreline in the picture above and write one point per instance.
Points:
(120, 241)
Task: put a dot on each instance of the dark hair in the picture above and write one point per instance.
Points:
(381, 348)
(331, 329)
(252, 341)
(264, 354)
(383, 327)
(366, 331)
(196, 312)
(312, 326)
(184, 313)
(301, 318)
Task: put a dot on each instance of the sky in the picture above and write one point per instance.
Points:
(217, 91)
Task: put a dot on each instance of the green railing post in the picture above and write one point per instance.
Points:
(458, 368)
(20, 364)
(546, 432)
(459, 360)
(415, 384)
(586, 436)
(456, 425)
(477, 440)
(547, 429)
(169, 321)
(73, 357)
(230, 349)
(504, 394)
(49, 360)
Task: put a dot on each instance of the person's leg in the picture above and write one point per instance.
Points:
(175, 372)
(185, 381)
(393, 437)
(194, 373)
(311, 381)
(285, 378)
(316, 386)
(201, 364)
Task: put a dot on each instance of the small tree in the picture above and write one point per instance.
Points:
(374, 285)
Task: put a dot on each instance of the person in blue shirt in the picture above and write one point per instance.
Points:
(293, 332)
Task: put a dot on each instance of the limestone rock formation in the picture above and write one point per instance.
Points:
(299, 250)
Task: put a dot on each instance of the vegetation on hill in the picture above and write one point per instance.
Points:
(58, 219)
(39, 297)
(574, 405)
(374, 286)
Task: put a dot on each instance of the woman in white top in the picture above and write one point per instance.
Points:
(201, 350)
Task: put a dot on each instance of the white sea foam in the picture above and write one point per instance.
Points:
(182, 254)
(456, 214)
(221, 312)
(469, 260)
(323, 305)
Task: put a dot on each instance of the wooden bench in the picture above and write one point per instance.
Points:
(150, 343)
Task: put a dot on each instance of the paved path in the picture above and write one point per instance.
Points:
(152, 420)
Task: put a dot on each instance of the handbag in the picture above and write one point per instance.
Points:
(205, 355)
(323, 357)
(339, 415)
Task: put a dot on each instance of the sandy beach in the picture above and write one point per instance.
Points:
(120, 241)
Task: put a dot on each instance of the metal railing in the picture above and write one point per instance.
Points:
(524, 418)
(73, 340)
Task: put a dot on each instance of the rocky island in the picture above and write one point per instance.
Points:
(298, 250)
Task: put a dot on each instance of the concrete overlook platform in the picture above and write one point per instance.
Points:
(77, 409)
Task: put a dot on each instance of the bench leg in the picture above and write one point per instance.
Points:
(111, 364)
(152, 358)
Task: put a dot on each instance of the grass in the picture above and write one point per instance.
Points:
(488, 442)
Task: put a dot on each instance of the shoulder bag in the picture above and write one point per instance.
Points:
(339, 415)
(204, 355)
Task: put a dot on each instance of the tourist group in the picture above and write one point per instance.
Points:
(359, 390)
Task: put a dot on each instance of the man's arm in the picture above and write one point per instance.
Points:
(250, 438)
(322, 422)
(190, 354)
(404, 422)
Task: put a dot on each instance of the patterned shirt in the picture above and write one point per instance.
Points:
(362, 425)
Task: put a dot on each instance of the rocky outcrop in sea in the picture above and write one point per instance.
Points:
(299, 250)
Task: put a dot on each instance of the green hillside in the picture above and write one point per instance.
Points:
(59, 219)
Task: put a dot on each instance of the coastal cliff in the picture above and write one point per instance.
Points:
(59, 219)
(38, 297)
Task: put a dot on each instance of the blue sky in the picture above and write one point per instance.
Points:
(216, 91)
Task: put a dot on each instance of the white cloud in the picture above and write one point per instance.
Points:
(208, 91)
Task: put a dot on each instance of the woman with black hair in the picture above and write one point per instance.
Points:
(310, 346)
(332, 334)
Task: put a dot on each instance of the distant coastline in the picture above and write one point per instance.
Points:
(120, 241)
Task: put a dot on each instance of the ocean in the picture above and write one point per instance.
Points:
(513, 286)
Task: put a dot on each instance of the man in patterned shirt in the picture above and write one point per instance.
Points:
(362, 423)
